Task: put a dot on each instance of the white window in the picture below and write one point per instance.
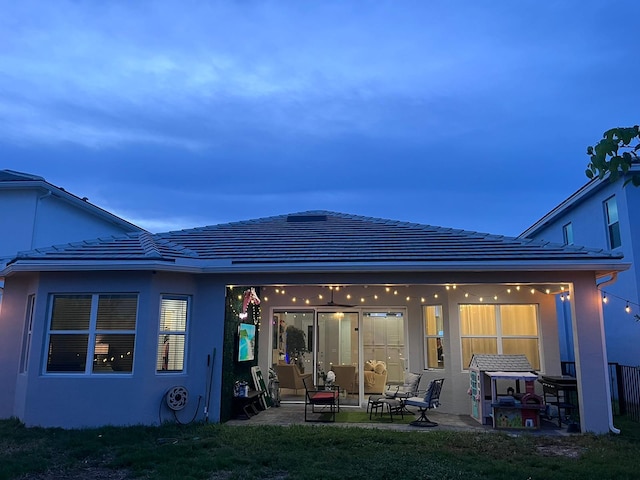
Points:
(500, 329)
(567, 233)
(92, 333)
(26, 334)
(173, 330)
(613, 224)
(433, 336)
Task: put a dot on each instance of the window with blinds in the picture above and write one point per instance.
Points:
(172, 334)
(507, 329)
(92, 333)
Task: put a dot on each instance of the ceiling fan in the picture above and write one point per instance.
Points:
(331, 303)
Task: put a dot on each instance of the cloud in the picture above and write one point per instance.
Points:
(185, 74)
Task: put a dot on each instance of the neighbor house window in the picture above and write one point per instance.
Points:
(567, 233)
(26, 334)
(92, 333)
(173, 329)
(433, 336)
(500, 329)
(613, 224)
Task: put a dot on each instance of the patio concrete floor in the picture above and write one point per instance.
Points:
(293, 414)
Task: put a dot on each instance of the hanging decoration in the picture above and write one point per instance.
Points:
(629, 305)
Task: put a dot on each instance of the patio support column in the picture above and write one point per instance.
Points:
(590, 355)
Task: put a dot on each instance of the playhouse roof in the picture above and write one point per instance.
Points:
(500, 363)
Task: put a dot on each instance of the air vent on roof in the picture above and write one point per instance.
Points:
(307, 218)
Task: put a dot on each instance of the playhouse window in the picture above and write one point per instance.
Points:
(92, 333)
(173, 329)
(500, 329)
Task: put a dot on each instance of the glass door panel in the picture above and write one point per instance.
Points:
(337, 344)
(383, 339)
(292, 351)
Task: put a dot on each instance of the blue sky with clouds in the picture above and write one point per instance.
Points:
(178, 114)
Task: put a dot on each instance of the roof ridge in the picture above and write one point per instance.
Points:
(148, 244)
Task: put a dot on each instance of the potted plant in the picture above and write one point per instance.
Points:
(296, 346)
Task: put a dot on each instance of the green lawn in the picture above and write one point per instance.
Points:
(203, 451)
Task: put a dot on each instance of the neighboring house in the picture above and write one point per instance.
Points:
(34, 213)
(98, 332)
(606, 215)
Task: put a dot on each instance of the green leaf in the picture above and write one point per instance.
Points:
(589, 173)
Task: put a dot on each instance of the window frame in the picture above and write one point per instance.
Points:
(184, 333)
(567, 233)
(428, 337)
(499, 335)
(27, 334)
(91, 332)
(612, 227)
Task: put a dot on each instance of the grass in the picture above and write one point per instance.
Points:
(203, 451)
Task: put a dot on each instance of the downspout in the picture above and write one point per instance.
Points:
(35, 217)
(612, 428)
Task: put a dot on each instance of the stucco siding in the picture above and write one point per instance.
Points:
(88, 400)
(59, 222)
(589, 229)
(17, 214)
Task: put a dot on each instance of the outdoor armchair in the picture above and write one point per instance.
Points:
(431, 399)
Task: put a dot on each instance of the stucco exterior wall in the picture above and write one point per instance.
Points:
(72, 400)
(32, 218)
(17, 216)
(589, 229)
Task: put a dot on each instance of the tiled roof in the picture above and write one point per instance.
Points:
(13, 176)
(500, 363)
(322, 237)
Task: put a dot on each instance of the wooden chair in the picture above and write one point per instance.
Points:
(430, 400)
(321, 398)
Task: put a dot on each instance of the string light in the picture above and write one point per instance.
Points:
(629, 305)
(564, 296)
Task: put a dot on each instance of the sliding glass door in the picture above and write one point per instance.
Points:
(337, 344)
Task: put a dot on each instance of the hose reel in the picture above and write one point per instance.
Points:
(177, 397)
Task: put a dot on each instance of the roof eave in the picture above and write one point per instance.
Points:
(601, 268)
(585, 191)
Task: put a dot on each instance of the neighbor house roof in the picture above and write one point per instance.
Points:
(318, 241)
(10, 179)
(583, 193)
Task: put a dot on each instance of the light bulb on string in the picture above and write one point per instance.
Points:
(627, 308)
(604, 298)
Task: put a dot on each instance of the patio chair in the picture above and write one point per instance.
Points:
(431, 399)
(407, 389)
(321, 398)
(403, 391)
